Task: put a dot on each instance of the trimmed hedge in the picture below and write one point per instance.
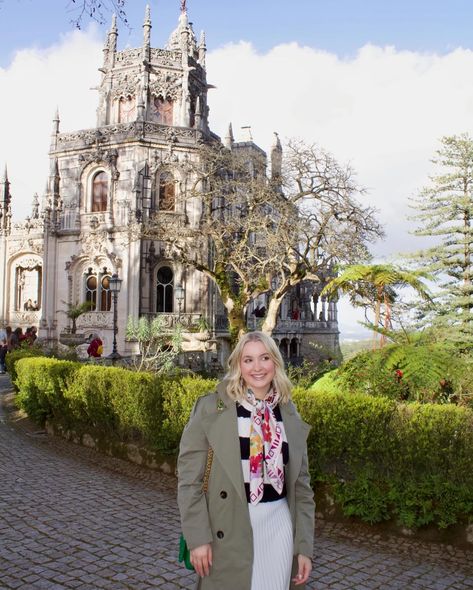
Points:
(382, 459)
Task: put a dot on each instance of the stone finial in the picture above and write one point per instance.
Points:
(35, 207)
(229, 139)
(276, 158)
(147, 27)
(202, 49)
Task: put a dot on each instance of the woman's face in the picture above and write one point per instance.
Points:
(257, 368)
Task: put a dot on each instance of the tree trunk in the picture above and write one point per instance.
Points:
(236, 319)
(271, 315)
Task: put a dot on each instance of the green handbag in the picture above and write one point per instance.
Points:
(184, 551)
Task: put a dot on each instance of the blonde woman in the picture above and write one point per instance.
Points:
(253, 529)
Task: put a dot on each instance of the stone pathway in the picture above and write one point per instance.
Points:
(70, 518)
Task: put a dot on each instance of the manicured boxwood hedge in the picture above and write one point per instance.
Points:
(383, 459)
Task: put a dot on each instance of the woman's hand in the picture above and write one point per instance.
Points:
(305, 567)
(201, 559)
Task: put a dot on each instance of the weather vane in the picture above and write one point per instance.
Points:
(183, 6)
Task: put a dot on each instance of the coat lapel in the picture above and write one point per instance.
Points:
(221, 429)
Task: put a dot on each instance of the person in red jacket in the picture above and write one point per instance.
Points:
(95, 347)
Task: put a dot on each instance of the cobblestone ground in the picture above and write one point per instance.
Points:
(70, 518)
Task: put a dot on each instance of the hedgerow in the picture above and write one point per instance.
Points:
(381, 458)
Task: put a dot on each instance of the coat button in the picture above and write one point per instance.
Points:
(223, 494)
(220, 534)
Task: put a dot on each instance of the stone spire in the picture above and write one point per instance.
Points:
(229, 139)
(55, 130)
(202, 49)
(110, 48)
(5, 204)
(276, 158)
(35, 207)
(147, 33)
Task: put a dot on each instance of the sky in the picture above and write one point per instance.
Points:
(375, 82)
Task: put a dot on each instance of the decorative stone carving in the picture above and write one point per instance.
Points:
(128, 57)
(164, 57)
(95, 319)
(165, 85)
(94, 242)
(125, 84)
(26, 244)
(25, 317)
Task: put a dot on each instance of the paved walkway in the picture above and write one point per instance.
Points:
(70, 518)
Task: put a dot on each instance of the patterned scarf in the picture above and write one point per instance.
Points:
(266, 438)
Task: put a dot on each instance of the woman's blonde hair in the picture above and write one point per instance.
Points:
(236, 387)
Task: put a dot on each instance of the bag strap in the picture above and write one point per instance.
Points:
(208, 467)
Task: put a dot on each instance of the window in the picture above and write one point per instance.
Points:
(165, 290)
(99, 192)
(97, 289)
(162, 111)
(127, 109)
(166, 200)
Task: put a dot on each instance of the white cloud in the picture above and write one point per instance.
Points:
(33, 86)
(383, 110)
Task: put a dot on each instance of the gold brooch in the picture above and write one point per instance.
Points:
(220, 405)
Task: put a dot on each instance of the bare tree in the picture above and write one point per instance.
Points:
(97, 10)
(253, 235)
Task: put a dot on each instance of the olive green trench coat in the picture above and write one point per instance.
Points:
(221, 516)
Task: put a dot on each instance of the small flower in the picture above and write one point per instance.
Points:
(255, 463)
(267, 432)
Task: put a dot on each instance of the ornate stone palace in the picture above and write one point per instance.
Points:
(152, 113)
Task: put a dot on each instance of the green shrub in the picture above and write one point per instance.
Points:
(179, 397)
(20, 353)
(328, 383)
(115, 401)
(42, 383)
(412, 462)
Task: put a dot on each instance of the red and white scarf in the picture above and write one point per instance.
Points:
(266, 438)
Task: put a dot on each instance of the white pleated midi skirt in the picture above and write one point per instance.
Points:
(273, 545)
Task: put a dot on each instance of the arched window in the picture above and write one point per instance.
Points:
(97, 289)
(91, 288)
(167, 187)
(162, 111)
(105, 293)
(165, 290)
(99, 192)
(127, 109)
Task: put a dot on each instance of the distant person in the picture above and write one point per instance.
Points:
(3, 354)
(16, 338)
(28, 306)
(95, 347)
(30, 335)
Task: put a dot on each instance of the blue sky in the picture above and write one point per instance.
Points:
(377, 83)
(338, 26)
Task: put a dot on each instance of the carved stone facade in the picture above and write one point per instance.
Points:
(152, 115)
